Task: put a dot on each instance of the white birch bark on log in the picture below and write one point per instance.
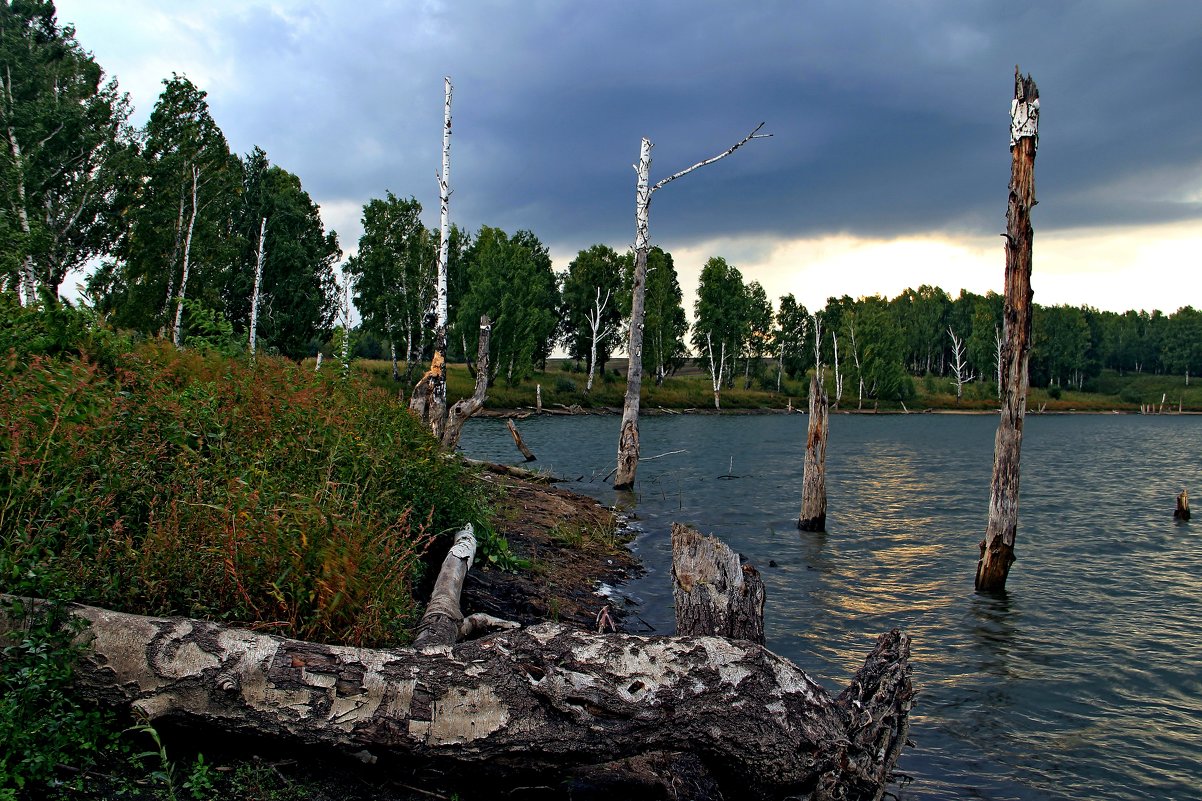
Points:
(546, 700)
(462, 411)
(997, 548)
(177, 327)
(716, 593)
(429, 400)
(813, 484)
(628, 438)
(254, 302)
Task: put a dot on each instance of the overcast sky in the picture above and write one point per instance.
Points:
(889, 161)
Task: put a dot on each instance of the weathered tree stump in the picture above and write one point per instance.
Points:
(997, 548)
(517, 440)
(715, 591)
(813, 486)
(462, 411)
(1182, 510)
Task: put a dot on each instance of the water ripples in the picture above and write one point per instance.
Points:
(1084, 680)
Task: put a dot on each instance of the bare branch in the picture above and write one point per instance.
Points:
(755, 134)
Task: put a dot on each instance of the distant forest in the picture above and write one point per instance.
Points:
(184, 231)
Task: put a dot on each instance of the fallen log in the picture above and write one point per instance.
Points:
(515, 472)
(545, 700)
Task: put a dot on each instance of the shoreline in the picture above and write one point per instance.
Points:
(526, 412)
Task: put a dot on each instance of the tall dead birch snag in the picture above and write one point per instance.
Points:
(254, 302)
(813, 483)
(177, 328)
(628, 440)
(429, 399)
(997, 549)
(961, 375)
(599, 332)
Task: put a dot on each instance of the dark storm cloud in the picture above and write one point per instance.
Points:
(887, 118)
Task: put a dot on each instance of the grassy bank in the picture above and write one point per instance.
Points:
(691, 389)
(142, 478)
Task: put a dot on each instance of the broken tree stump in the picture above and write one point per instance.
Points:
(813, 482)
(1182, 510)
(517, 440)
(715, 591)
(548, 701)
(997, 548)
(462, 411)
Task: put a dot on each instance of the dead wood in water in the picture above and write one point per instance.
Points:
(813, 486)
(1182, 510)
(517, 440)
(462, 411)
(715, 591)
(997, 548)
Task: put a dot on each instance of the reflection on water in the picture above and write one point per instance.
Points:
(1084, 680)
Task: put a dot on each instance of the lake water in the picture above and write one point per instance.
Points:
(1084, 681)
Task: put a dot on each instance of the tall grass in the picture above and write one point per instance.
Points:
(169, 482)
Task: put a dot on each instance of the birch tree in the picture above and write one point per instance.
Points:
(721, 319)
(429, 399)
(66, 155)
(664, 321)
(166, 225)
(628, 438)
(961, 375)
(177, 325)
(592, 308)
(254, 302)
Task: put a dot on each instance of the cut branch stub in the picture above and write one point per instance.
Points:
(715, 591)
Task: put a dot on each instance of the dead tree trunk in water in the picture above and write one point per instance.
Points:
(813, 484)
(464, 409)
(997, 549)
(715, 591)
(517, 440)
(628, 439)
(1182, 510)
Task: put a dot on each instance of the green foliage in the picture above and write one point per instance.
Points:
(511, 282)
(591, 291)
(65, 167)
(393, 272)
(208, 330)
(42, 723)
(189, 483)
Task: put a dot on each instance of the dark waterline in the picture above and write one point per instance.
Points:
(1083, 681)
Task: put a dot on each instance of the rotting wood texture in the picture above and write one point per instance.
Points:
(997, 548)
(546, 700)
(714, 590)
(813, 482)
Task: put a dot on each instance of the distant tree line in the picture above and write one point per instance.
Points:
(178, 227)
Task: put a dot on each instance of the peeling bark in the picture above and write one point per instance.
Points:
(997, 549)
(546, 700)
(715, 591)
(813, 486)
